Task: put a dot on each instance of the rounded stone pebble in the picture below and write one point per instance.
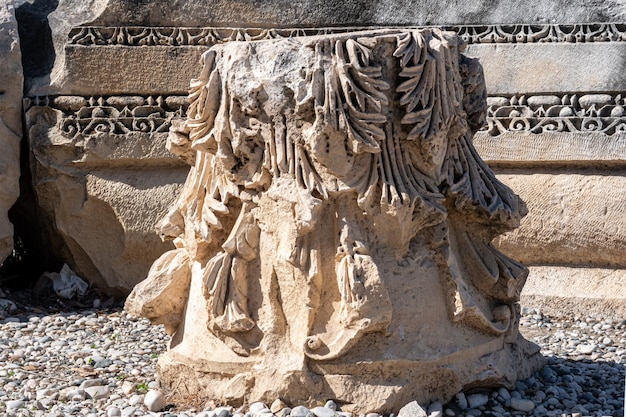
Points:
(97, 392)
(14, 405)
(461, 401)
(586, 349)
(323, 412)
(277, 405)
(477, 400)
(128, 411)
(256, 407)
(154, 401)
(331, 405)
(299, 411)
(520, 404)
(114, 412)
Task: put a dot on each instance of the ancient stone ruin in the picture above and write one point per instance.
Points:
(333, 237)
(93, 86)
(311, 246)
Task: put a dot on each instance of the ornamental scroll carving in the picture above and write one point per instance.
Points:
(476, 34)
(333, 178)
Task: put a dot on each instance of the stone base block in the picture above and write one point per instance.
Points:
(559, 290)
(573, 219)
(386, 385)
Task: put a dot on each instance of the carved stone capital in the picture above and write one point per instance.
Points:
(334, 234)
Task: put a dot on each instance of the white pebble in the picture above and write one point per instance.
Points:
(586, 349)
(14, 405)
(154, 400)
(97, 392)
(412, 409)
(476, 400)
(114, 412)
(256, 407)
(136, 399)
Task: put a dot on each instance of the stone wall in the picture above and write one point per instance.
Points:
(10, 122)
(112, 75)
(556, 135)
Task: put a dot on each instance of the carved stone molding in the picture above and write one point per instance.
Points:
(87, 116)
(571, 112)
(580, 112)
(185, 36)
(523, 33)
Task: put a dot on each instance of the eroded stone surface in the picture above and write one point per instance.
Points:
(333, 235)
(103, 178)
(591, 206)
(362, 12)
(10, 122)
(568, 290)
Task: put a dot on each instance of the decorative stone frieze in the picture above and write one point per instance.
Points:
(576, 112)
(203, 36)
(333, 237)
(88, 116)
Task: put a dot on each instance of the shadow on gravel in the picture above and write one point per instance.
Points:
(41, 302)
(591, 388)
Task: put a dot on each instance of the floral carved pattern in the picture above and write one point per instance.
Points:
(87, 116)
(477, 34)
(537, 114)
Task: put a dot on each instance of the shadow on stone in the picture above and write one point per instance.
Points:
(36, 38)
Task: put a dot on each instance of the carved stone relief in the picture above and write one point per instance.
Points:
(589, 113)
(103, 178)
(333, 237)
(471, 34)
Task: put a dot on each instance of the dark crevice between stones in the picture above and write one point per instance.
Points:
(36, 44)
(30, 257)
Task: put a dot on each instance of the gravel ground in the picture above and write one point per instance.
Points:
(99, 361)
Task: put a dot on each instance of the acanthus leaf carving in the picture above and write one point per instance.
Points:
(332, 175)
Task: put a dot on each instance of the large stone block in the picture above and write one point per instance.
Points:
(11, 85)
(574, 219)
(577, 291)
(552, 67)
(290, 13)
(103, 178)
(333, 237)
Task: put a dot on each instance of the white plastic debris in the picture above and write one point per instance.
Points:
(67, 284)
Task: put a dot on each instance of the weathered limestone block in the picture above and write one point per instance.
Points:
(103, 178)
(10, 123)
(592, 207)
(333, 235)
(574, 237)
(575, 290)
(531, 67)
(284, 13)
(565, 155)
